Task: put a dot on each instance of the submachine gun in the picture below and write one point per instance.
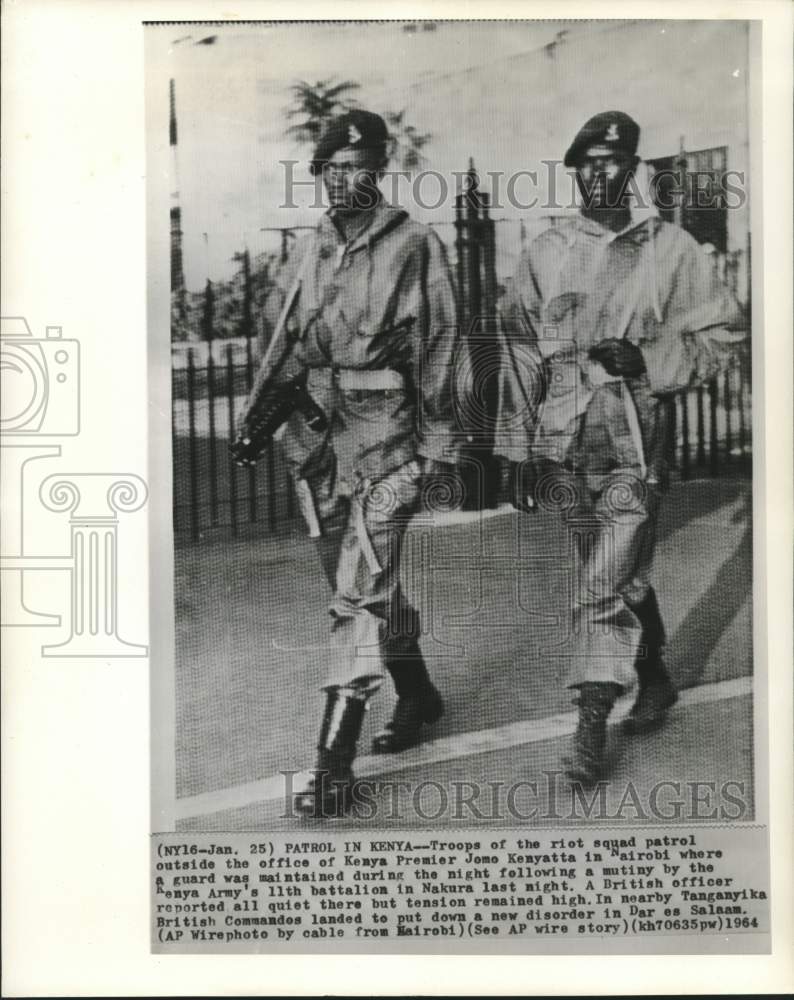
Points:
(273, 401)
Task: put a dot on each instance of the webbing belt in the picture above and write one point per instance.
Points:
(357, 378)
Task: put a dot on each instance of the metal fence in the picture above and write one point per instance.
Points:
(713, 438)
(210, 491)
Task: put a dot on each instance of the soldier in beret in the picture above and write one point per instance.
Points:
(372, 326)
(609, 313)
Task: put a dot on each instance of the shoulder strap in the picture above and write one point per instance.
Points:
(264, 370)
(286, 309)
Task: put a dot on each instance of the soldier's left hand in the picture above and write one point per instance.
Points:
(618, 357)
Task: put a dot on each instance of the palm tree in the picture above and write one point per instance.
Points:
(316, 104)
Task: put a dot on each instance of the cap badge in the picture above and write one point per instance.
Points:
(612, 133)
(353, 135)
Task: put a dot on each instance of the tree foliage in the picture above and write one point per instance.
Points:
(207, 325)
(315, 104)
(405, 141)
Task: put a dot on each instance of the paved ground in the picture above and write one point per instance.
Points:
(250, 642)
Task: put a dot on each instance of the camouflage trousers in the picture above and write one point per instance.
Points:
(611, 532)
(359, 533)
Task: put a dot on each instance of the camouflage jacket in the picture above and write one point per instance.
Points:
(382, 301)
(577, 284)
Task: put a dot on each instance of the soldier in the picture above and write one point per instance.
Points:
(372, 320)
(609, 314)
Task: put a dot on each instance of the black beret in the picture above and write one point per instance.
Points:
(613, 129)
(355, 129)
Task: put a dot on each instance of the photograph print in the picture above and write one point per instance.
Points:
(461, 423)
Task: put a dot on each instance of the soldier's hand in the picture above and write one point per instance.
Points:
(238, 449)
(618, 357)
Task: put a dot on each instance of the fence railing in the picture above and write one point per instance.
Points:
(210, 491)
(714, 426)
(713, 437)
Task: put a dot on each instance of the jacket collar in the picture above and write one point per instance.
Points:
(381, 219)
(637, 230)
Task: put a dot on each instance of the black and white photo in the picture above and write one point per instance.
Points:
(461, 403)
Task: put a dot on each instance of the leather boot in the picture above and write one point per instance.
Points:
(586, 764)
(418, 701)
(657, 692)
(329, 793)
